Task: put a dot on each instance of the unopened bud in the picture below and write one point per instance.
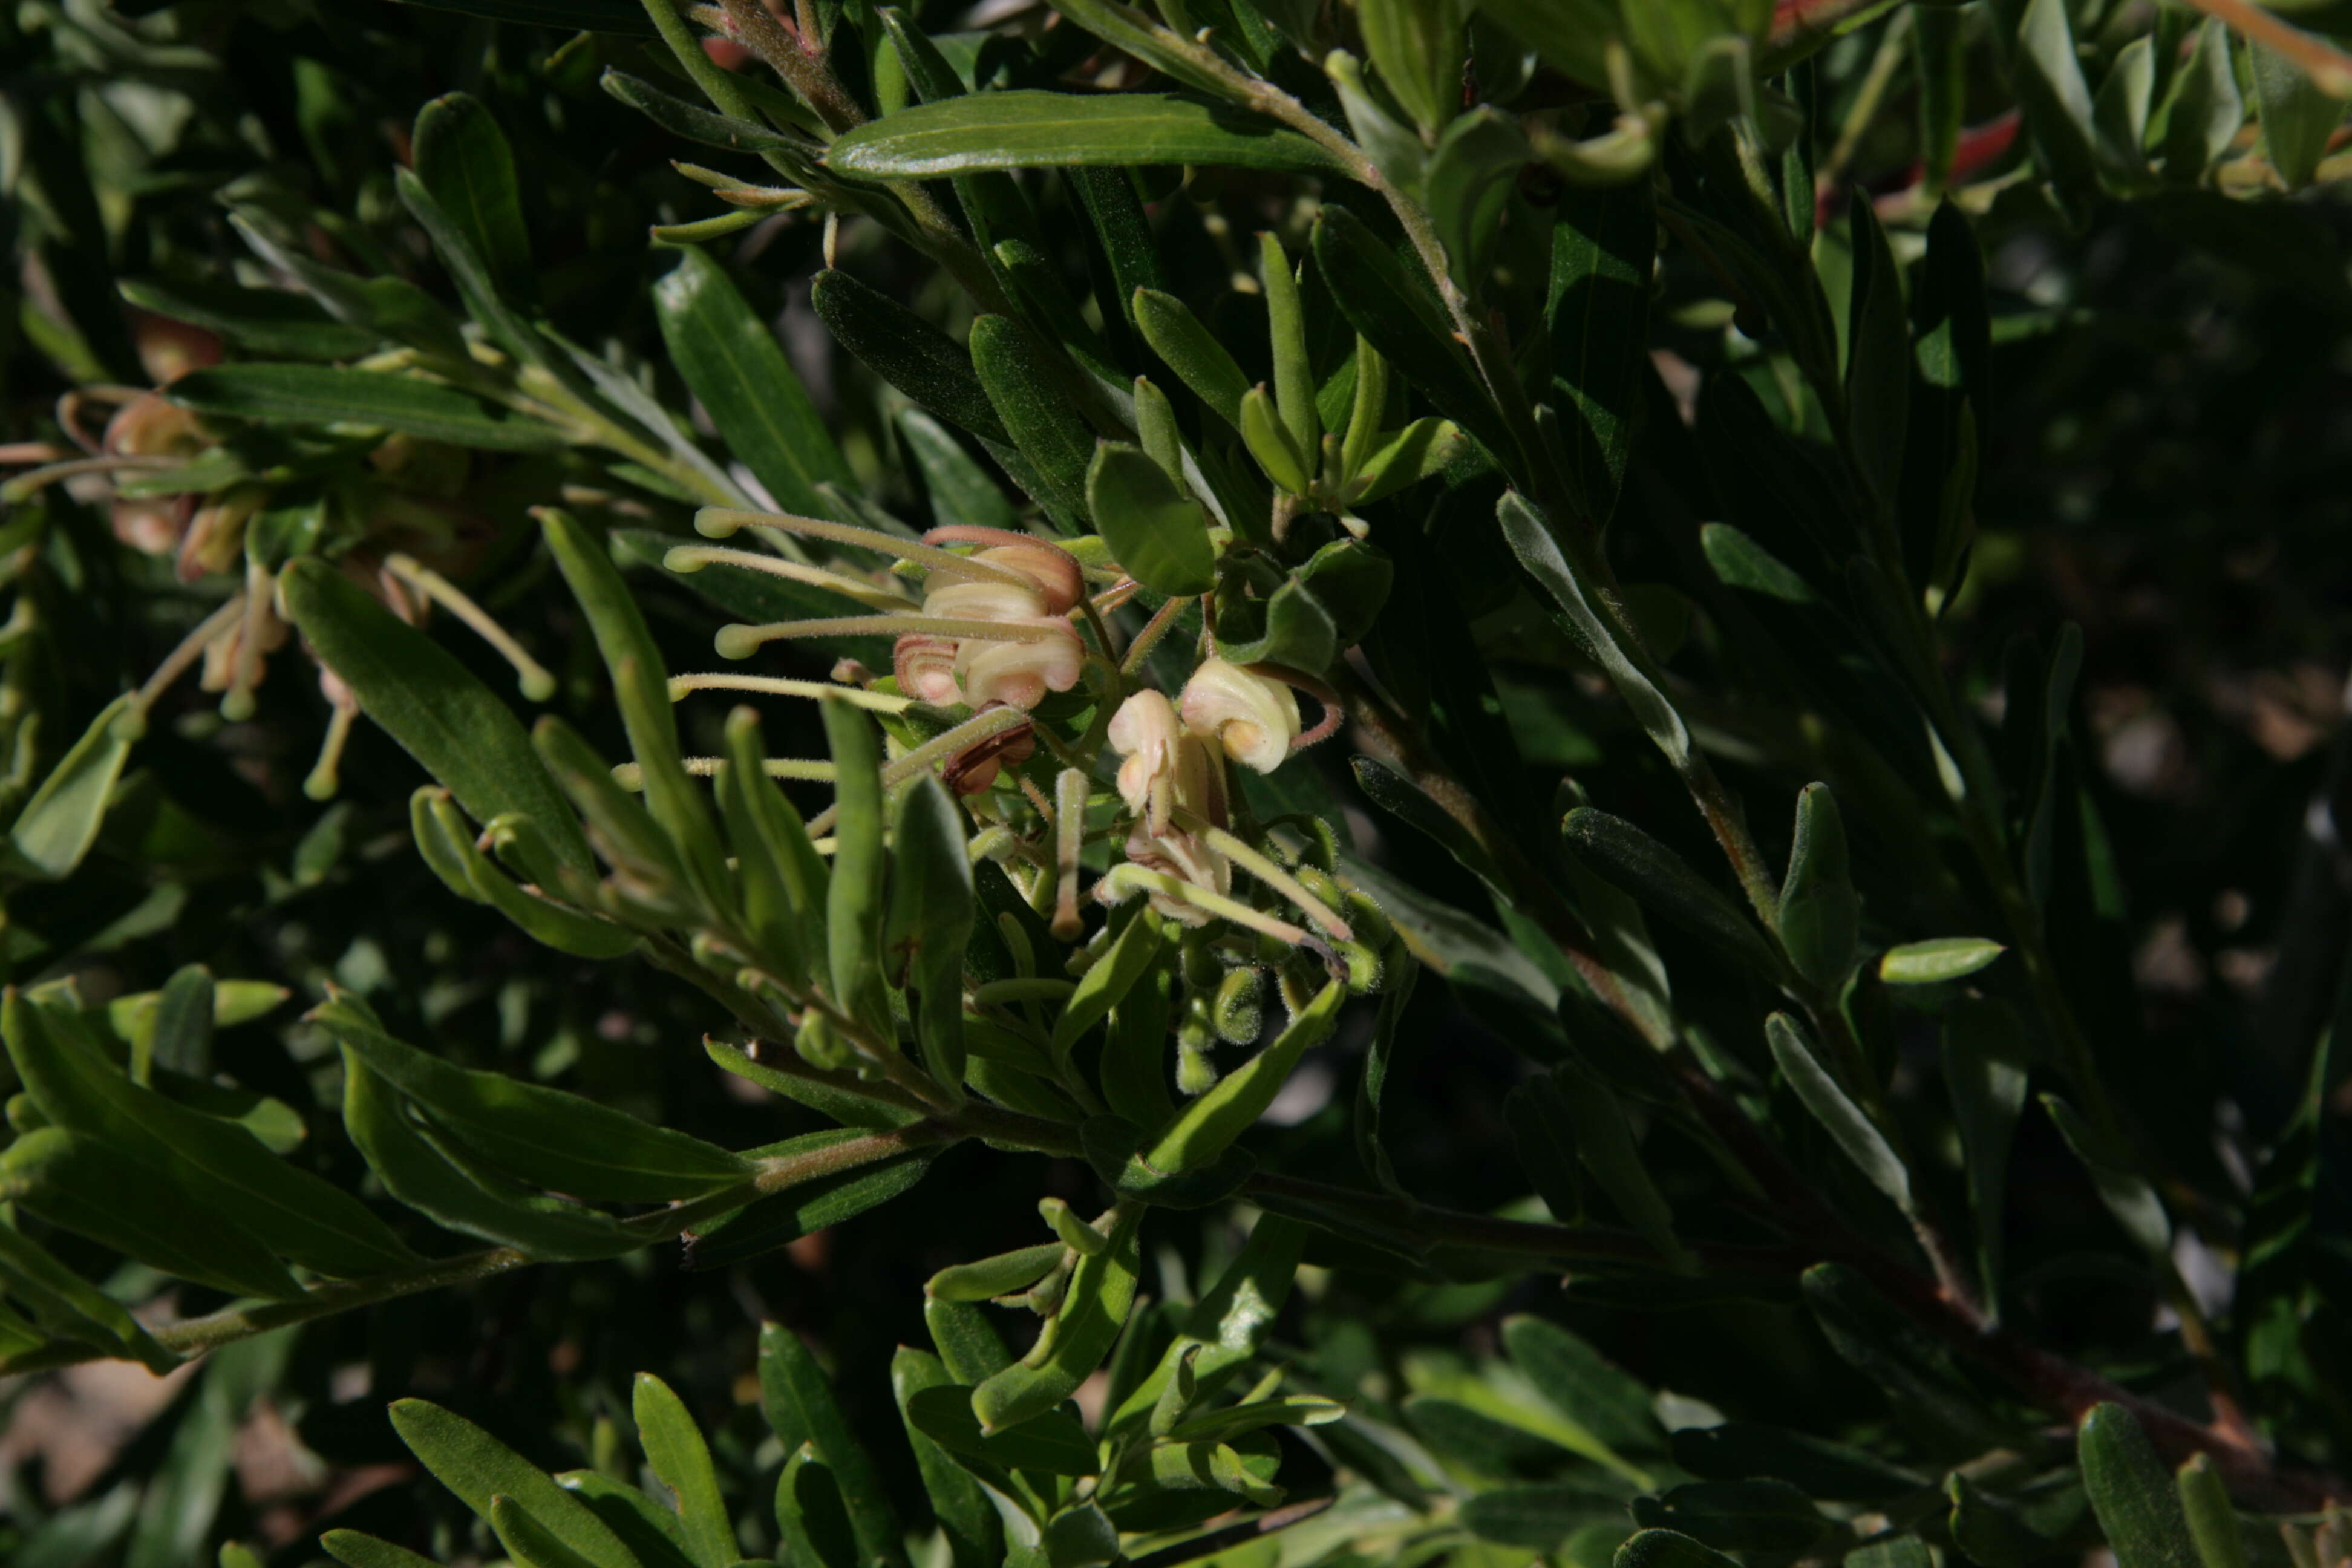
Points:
(1240, 1007)
(820, 1046)
(1195, 1074)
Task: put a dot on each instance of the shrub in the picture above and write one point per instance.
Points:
(1552, 781)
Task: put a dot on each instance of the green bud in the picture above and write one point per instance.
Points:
(1370, 922)
(1364, 966)
(820, 1048)
(1077, 1233)
(1239, 1011)
(1195, 1073)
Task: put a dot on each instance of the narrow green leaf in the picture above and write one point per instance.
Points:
(1158, 533)
(1667, 1549)
(1103, 986)
(213, 1163)
(1760, 1516)
(462, 157)
(1053, 1444)
(420, 1176)
(736, 369)
(961, 491)
(854, 896)
(1665, 883)
(2203, 109)
(277, 322)
(1738, 1449)
(801, 1407)
(1030, 400)
(428, 702)
(976, 1536)
(2130, 1491)
(333, 396)
(805, 1207)
(180, 1037)
(931, 921)
(906, 351)
(810, 1515)
(479, 1467)
(1984, 1071)
(1820, 916)
(1853, 1132)
(139, 1209)
(1205, 1129)
(1878, 355)
(2128, 1194)
(1916, 1370)
(67, 1306)
(681, 1460)
(1186, 346)
(1100, 1294)
(1405, 457)
(448, 846)
(357, 1550)
(2212, 1520)
(2298, 116)
(562, 1142)
(1594, 1393)
(1269, 441)
(781, 877)
(641, 691)
(1541, 1515)
(1032, 130)
(649, 1530)
(60, 824)
(1940, 959)
(530, 1543)
(1396, 311)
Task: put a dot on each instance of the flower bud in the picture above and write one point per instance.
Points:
(1254, 718)
(1240, 1006)
(151, 426)
(1195, 1073)
(1052, 570)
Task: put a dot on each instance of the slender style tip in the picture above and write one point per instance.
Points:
(685, 558)
(538, 685)
(737, 641)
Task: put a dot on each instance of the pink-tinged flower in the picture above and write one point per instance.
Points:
(1185, 857)
(925, 668)
(984, 599)
(1053, 569)
(1251, 716)
(1146, 734)
(1019, 674)
(971, 771)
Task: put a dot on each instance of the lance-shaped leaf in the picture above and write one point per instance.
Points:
(1820, 916)
(428, 702)
(333, 395)
(1880, 1343)
(1668, 1549)
(1075, 1340)
(1937, 959)
(976, 1536)
(1878, 355)
(1155, 530)
(679, 1458)
(140, 1210)
(1186, 345)
(906, 351)
(2212, 1520)
(1102, 987)
(2128, 1195)
(2132, 1492)
(1035, 406)
(216, 1163)
(1738, 1449)
(447, 846)
(1397, 314)
(1761, 1516)
(1596, 312)
(2298, 116)
(640, 691)
(1032, 130)
(275, 323)
(805, 1207)
(929, 922)
(1053, 1444)
(1541, 1515)
(1984, 1071)
(66, 1305)
(854, 894)
(1821, 1094)
(800, 1406)
(1590, 1390)
(479, 1467)
(1665, 883)
(561, 1142)
(1205, 1129)
(59, 824)
(462, 157)
(810, 1516)
(737, 372)
(423, 1176)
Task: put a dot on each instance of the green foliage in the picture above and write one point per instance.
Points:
(1823, 521)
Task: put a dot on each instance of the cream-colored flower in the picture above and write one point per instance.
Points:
(1186, 858)
(1052, 569)
(984, 599)
(925, 668)
(1253, 717)
(1019, 674)
(1146, 734)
